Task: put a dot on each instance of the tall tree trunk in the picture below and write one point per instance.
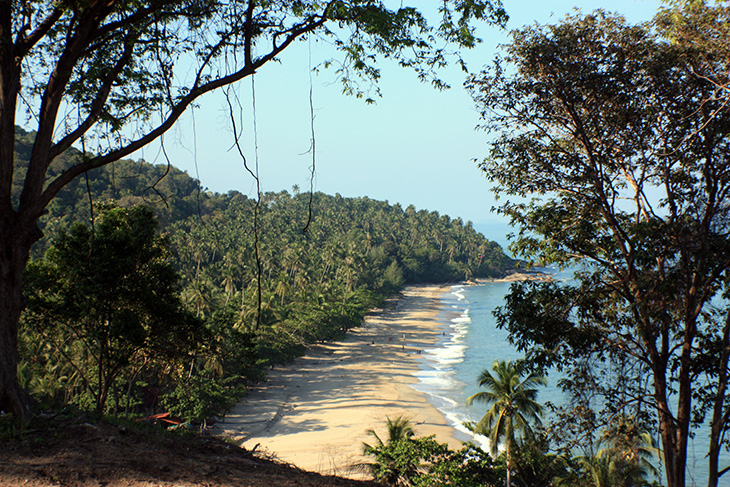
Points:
(509, 467)
(15, 243)
(674, 446)
(719, 413)
(17, 231)
(673, 427)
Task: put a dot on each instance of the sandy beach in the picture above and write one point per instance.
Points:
(315, 412)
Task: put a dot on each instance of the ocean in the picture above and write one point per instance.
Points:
(470, 342)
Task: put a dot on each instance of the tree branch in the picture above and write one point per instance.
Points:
(174, 114)
(97, 105)
(25, 43)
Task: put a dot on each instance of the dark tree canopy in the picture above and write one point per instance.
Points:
(114, 292)
(615, 141)
(111, 76)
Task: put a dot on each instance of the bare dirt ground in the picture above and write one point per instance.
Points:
(79, 453)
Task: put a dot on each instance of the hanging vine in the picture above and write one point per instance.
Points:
(313, 143)
(255, 175)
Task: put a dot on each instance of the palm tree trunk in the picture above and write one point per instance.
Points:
(509, 467)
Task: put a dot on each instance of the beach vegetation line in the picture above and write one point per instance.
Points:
(314, 285)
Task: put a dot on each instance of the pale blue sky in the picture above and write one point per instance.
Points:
(415, 146)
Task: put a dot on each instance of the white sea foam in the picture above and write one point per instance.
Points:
(458, 291)
(464, 318)
(442, 403)
(446, 356)
(442, 373)
(458, 421)
(448, 400)
(451, 352)
(435, 381)
(438, 377)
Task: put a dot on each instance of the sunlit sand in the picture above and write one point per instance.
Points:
(315, 412)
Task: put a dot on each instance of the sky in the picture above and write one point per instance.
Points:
(415, 146)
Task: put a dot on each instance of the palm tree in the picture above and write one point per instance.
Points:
(599, 470)
(513, 406)
(229, 282)
(387, 470)
(197, 295)
(624, 457)
(632, 442)
(398, 429)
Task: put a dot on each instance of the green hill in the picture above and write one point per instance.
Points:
(261, 286)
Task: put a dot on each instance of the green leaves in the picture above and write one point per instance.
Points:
(124, 62)
(113, 290)
(197, 398)
(424, 462)
(612, 156)
(513, 408)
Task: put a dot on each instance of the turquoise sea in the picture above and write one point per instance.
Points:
(470, 342)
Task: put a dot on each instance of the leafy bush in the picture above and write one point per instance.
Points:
(197, 399)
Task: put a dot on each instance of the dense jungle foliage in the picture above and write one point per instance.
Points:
(248, 299)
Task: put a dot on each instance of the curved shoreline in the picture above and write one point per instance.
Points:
(315, 412)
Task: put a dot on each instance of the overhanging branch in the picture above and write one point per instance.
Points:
(174, 114)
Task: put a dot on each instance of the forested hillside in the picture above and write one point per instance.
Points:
(172, 193)
(257, 281)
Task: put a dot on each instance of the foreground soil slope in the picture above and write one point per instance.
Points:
(82, 454)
